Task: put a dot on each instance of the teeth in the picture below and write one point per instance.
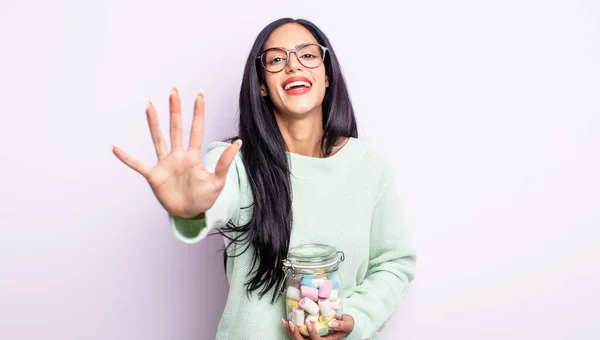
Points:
(296, 83)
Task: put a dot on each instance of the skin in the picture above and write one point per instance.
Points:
(300, 118)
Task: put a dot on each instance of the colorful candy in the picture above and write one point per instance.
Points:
(326, 319)
(293, 293)
(314, 300)
(335, 304)
(298, 316)
(322, 329)
(309, 292)
(292, 303)
(325, 289)
(336, 281)
(325, 307)
(312, 318)
(313, 281)
(309, 306)
(303, 330)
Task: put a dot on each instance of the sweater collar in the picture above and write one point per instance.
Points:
(313, 167)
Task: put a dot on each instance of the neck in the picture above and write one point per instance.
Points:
(302, 135)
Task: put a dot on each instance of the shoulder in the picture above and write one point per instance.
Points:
(374, 167)
(373, 155)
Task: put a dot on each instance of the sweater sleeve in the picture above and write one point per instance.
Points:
(223, 210)
(391, 268)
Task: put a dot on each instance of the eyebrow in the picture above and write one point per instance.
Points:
(294, 46)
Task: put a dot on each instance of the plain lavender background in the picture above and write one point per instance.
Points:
(489, 111)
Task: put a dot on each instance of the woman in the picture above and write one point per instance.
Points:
(301, 176)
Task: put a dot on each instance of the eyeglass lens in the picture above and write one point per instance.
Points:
(274, 60)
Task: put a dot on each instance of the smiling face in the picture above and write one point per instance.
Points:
(296, 90)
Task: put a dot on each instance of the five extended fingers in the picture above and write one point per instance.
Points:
(176, 136)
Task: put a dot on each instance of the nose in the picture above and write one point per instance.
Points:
(293, 62)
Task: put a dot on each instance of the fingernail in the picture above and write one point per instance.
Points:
(334, 324)
(309, 325)
(239, 143)
(284, 322)
(174, 90)
(292, 326)
(149, 104)
(201, 95)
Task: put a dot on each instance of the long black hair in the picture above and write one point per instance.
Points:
(264, 158)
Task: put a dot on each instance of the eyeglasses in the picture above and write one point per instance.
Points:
(276, 59)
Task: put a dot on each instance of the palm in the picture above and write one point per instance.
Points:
(181, 183)
(179, 180)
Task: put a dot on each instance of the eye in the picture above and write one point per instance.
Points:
(308, 56)
(276, 60)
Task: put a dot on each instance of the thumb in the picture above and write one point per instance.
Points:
(346, 324)
(227, 158)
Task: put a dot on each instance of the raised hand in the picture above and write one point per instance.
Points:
(179, 180)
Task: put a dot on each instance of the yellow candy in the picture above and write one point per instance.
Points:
(303, 330)
(321, 328)
(292, 303)
(325, 320)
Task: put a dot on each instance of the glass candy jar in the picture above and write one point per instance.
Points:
(313, 287)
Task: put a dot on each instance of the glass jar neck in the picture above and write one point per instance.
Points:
(314, 256)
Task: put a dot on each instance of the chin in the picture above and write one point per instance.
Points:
(299, 106)
(302, 107)
(301, 110)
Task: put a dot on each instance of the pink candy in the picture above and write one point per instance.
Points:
(309, 292)
(325, 289)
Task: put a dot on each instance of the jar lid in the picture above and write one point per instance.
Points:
(314, 255)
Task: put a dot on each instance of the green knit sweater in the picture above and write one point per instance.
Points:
(349, 201)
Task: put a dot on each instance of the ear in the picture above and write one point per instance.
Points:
(326, 81)
(263, 90)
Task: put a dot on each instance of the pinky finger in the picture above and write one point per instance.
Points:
(131, 162)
